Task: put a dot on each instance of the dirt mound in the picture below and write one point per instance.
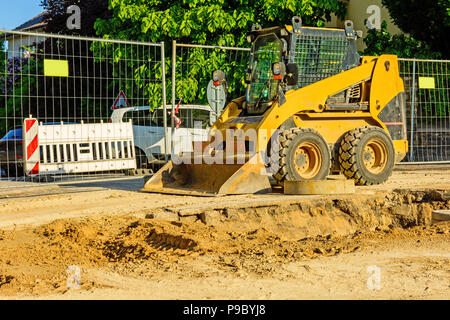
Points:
(68, 230)
(145, 240)
(255, 239)
(35, 261)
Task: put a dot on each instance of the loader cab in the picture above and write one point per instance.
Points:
(316, 53)
(262, 87)
(268, 47)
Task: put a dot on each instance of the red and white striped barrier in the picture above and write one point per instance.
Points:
(31, 146)
(60, 148)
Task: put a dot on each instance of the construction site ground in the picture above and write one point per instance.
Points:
(133, 245)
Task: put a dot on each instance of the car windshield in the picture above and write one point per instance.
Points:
(266, 50)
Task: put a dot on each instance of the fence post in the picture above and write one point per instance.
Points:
(411, 154)
(164, 98)
(174, 66)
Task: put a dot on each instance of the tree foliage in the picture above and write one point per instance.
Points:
(218, 22)
(17, 85)
(212, 22)
(427, 21)
(3, 56)
(382, 42)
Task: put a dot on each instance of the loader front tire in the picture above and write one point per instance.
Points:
(367, 155)
(304, 155)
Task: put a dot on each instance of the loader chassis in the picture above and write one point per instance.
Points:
(344, 113)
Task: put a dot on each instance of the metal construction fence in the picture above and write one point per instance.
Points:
(67, 79)
(428, 109)
(192, 68)
(426, 86)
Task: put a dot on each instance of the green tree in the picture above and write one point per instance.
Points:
(3, 60)
(427, 21)
(219, 22)
(212, 22)
(3, 85)
(17, 86)
(3, 56)
(382, 42)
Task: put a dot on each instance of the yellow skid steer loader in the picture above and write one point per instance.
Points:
(313, 106)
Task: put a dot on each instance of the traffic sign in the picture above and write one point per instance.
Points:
(216, 97)
(121, 101)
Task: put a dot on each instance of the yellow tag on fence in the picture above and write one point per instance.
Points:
(56, 68)
(426, 83)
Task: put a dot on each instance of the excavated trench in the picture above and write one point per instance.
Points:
(320, 216)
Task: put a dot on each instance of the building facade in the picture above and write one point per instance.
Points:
(365, 14)
(23, 45)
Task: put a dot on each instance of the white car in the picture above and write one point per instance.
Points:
(148, 130)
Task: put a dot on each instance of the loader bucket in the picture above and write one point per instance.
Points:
(209, 179)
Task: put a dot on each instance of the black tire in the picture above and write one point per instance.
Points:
(360, 159)
(141, 159)
(296, 161)
(13, 170)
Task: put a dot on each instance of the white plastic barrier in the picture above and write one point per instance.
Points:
(78, 148)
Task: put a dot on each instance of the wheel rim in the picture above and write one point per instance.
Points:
(375, 156)
(307, 160)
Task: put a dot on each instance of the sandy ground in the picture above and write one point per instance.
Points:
(122, 255)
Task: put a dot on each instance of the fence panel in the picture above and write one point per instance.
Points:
(426, 86)
(428, 109)
(192, 67)
(72, 79)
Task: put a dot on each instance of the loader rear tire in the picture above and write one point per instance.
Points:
(367, 155)
(304, 156)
